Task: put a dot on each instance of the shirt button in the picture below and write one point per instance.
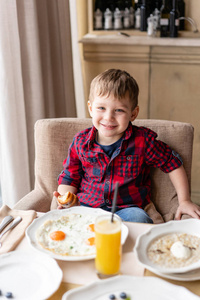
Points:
(107, 182)
(107, 201)
(128, 158)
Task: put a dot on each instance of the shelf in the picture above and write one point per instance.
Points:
(116, 39)
(131, 32)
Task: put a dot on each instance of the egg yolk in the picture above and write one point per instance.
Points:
(91, 227)
(90, 241)
(57, 235)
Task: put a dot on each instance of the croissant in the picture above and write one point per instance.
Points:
(68, 199)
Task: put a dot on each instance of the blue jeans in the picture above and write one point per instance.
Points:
(130, 214)
(134, 214)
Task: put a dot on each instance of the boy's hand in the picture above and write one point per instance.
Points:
(189, 208)
(56, 194)
(67, 200)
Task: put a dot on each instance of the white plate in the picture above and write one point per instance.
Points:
(189, 226)
(32, 277)
(56, 214)
(140, 288)
(188, 276)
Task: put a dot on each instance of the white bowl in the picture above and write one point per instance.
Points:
(189, 226)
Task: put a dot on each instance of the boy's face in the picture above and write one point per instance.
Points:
(111, 117)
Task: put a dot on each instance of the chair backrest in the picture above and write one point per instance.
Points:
(53, 137)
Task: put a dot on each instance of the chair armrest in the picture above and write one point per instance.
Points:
(35, 200)
(54, 204)
(153, 213)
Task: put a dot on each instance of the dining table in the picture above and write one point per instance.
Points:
(80, 273)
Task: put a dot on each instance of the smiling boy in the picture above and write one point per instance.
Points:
(113, 150)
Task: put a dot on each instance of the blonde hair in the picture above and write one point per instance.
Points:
(115, 82)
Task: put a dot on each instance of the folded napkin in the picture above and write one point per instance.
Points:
(83, 272)
(13, 237)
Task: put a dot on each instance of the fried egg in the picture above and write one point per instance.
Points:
(72, 235)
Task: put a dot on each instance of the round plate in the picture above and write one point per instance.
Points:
(189, 226)
(29, 276)
(188, 276)
(56, 214)
(140, 288)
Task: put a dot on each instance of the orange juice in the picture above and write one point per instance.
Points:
(108, 245)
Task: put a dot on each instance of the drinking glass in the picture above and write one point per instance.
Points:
(108, 245)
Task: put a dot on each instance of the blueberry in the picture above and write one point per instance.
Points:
(123, 295)
(112, 297)
(9, 295)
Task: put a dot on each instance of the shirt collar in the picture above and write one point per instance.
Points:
(92, 136)
(127, 134)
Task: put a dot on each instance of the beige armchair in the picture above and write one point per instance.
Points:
(53, 137)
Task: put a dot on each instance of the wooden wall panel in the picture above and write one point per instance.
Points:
(175, 95)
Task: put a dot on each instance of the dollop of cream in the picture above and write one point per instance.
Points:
(180, 251)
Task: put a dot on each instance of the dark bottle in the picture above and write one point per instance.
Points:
(174, 20)
(181, 9)
(164, 18)
(144, 13)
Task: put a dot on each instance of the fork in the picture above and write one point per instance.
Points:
(14, 223)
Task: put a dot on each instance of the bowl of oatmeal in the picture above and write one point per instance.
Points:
(172, 247)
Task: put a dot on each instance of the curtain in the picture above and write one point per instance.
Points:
(36, 81)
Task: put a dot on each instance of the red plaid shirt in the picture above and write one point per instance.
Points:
(95, 174)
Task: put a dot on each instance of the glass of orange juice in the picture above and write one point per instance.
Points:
(108, 245)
